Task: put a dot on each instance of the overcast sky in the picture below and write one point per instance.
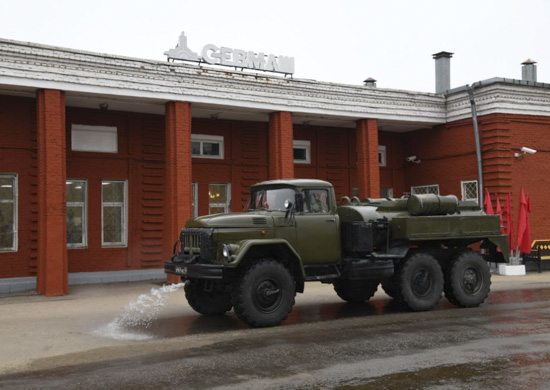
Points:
(342, 41)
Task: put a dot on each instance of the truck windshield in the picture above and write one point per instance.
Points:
(272, 199)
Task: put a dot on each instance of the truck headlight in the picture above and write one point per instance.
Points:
(226, 251)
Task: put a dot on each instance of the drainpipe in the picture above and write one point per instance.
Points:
(470, 90)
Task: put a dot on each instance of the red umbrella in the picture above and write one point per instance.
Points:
(487, 204)
(499, 213)
(507, 212)
(524, 230)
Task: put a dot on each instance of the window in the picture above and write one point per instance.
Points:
(382, 155)
(206, 146)
(302, 152)
(101, 139)
(194, 190)
(316, 201)
(114, 213)
(76, 214)
(220, 198)
(428, 189)
(469, 190)
(8, 212)
(386, 192)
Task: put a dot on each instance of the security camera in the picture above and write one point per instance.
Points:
(527, 150)
(411, 158)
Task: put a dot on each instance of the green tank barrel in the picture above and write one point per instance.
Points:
(431, 204)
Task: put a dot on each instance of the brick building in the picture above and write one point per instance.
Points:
(103, 158)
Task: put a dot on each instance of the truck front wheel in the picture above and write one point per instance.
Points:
(420, 283)
(265, 294)
(355, 291)
(467, 280)
(210, 302)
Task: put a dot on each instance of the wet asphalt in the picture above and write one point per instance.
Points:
(324, 344)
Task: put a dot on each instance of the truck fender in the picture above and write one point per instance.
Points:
(245, 248)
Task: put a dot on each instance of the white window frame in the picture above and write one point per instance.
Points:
(195, 198)
(463, 184)
(124, 205)
(227, 205)
(305, 145)
(203, 138)
(95, 139)
(416, 190)
(84, 205)
(382, 155)
(15, 187)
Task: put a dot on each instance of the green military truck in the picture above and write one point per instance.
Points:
(293, 231)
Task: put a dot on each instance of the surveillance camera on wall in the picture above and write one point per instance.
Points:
(527, 150)
(411, 159)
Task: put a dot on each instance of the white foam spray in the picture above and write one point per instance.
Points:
(138, 315)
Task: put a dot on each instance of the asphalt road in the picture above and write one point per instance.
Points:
(325, 344)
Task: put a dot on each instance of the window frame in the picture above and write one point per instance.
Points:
(84, 205)
(15, 202)
(462, 184)
(227, 205)
(205, 138)
(425, 186)
(124, 209)
(302, 144)
(382, 156)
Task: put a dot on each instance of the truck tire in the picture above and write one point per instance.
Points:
(467, 280)
(355, 291)
(264, 295)
(420, 283)
(209, 303)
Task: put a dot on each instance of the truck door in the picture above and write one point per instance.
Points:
(318, 228)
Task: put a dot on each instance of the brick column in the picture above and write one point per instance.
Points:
(178, 170)
(368, 170)
(52, 277)
(281, 151)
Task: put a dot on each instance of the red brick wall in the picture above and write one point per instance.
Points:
(332, 156)
(281, 161)
(245, 160)
(18, 155)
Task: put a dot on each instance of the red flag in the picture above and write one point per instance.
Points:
(509, 221)
(499, 213)
(524, 230)
(487, 204)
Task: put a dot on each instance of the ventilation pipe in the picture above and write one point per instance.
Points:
(529, 71)
(442, 71)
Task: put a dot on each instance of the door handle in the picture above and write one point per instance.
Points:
(330, 220)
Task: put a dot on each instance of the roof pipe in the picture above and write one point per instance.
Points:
(481, 189)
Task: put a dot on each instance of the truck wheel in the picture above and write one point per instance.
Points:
(420, 283)
(265, 294)
(355, 291)
(467, 280)
(209, 303)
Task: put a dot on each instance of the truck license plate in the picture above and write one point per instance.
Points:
(181, 270)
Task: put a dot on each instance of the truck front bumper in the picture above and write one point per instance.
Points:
(194, 270)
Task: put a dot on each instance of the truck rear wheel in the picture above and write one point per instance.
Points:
(265, 294)
(355, 291)
(214, 301)
(467, 280)
(420, 282)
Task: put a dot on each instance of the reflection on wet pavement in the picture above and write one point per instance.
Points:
(308, 313)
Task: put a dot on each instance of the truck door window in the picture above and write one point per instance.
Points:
(316, 201)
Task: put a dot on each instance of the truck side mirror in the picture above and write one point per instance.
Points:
(299, 202)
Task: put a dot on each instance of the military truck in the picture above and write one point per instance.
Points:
(294, 231)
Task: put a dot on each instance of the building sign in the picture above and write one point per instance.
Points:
(214, 55)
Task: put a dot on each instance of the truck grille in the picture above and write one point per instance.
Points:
(197, 241)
